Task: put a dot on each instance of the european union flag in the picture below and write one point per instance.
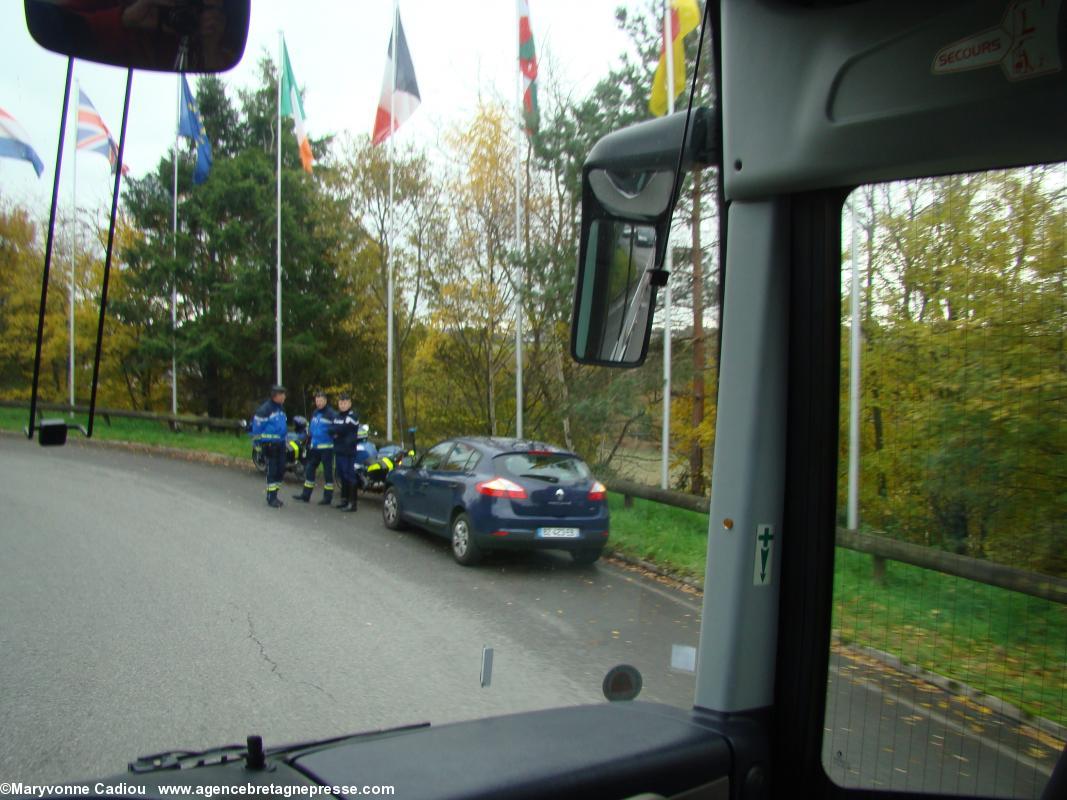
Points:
(190, 126)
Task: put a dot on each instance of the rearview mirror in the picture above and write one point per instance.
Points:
(158, 35)
(617, 297)
(629, 185)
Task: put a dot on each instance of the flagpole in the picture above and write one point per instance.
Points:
(668, 46)
(389, 250)
(174, 257)
(73, 253)
(278, 265)
(518, 223)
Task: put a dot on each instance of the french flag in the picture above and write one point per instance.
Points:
(399, 101)
(14, 143)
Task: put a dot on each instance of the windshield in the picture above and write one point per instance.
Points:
(203, 568)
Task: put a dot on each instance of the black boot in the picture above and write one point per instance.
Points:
(273, 501)
(327, 495)
(305, 495)
(344, 497)
(350, 494)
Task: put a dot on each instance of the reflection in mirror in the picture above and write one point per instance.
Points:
(160, 35)
(640, 193)
(616, 297)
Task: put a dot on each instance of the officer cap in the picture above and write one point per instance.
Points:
(277, 389)
(320, 393)
(344, 396)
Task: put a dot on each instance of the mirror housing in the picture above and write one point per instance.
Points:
(176, 36)
(53, 432)
(629, 187)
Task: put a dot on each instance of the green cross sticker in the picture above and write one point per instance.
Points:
(761, 573)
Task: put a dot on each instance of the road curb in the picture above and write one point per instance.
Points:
(177, 453)
(995, 704)
(692, 584)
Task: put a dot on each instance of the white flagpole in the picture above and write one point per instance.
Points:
(278, 264)
(389, 239)
(174, 255)
(518, 222)
(74, 249)
(668, 46)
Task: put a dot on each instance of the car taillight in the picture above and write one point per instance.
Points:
(598, 492)
(501, 487)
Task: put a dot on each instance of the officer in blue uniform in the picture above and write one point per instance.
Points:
(320, 452)
(269, 427)
(345, 432)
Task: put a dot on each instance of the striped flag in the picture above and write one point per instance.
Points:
(397, 102)
(292, 106)
(14, 143)
(685, 18)
(93, 134)
(531, 114)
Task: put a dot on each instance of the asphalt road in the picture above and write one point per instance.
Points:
(148, 604)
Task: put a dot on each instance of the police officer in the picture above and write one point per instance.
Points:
(269, 427)
(321, 451)
(345, 432)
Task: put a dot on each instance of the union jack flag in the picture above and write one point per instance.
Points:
(93, 134)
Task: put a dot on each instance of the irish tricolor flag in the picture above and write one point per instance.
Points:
(292, 106)
(400, 99)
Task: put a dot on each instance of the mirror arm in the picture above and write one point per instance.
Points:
(107, 257)
(48, 253)
(679, 171)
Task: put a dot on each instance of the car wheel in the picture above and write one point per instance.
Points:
(259, 459)
(464, 550)
(391, 510)
(586, 557)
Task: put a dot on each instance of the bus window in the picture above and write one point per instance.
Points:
(948, 670)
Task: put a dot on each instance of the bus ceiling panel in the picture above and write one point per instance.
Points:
(879, 90)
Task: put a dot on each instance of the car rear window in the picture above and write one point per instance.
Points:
(549, 467)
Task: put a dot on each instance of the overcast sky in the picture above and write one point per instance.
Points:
(460, 49)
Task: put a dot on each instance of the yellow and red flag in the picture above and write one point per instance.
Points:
(684, 19)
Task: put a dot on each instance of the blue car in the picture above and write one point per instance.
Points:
(488, 493)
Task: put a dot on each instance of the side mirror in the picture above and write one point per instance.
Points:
(53, 432)
(158, 35)
(629, 187)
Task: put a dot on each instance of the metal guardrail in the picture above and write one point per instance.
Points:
(1035, 584)
(174, 421)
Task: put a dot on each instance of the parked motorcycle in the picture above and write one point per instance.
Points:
(390, 456)
(297, 444)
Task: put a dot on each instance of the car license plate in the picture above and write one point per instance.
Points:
(558, 533)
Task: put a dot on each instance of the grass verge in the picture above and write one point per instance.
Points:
(142, 432)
